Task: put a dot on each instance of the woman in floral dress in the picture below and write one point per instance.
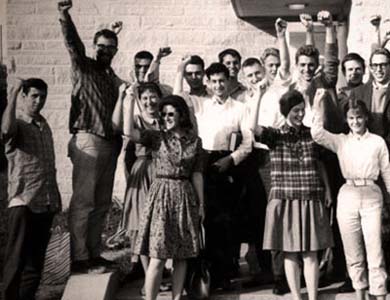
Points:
(173, 210)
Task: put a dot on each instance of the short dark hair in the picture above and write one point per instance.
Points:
(216, 68)
(108, 34)
(229, 51)
(196, 60)
(143, 55)
(353, 56)
(251, 61)
(356, 104)
(270, 51)
(181, 107)
(380, 51)
(308, 50)
(37, 83)
(149, 86)
(289, 100)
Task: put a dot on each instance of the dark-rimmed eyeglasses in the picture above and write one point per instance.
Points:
(377, 66)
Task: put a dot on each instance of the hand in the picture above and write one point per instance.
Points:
(223, 164)
(258, 131)
(325, 18)
(328, 198)
(375, 20)
(64, 5)
(281, 27)
(306, 21)
(16, 85)
(123, 89)
(163, 52)
(116, 27)
(319, 96)
(184, 62)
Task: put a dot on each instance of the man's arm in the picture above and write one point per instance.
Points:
(281, 27)
(8, 123)
(307, 22)
(178, 87)
(73, 42)
(153, 73)
(331, 64)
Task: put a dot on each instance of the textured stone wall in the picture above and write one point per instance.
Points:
(203, 27)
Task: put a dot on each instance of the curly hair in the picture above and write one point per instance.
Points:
(181, 107)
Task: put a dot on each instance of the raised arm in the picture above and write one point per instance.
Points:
(331, 50)
(8, 123)
(153, 73)
(319, 134)
(342, 36)
(117, 115)
(375, 21)
(129, 129)
(307, 22)
(73, 42)
(281, 27)
(178, 87)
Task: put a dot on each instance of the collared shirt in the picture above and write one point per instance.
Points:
(294, 168)
(378, 107)
(31, 166)
(95, 89)
(360, 157)
(216, 123)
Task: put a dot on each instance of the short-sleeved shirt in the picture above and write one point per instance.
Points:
(294, 169)
(172, 156)
(31, 166)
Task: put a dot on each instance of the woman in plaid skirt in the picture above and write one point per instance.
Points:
(296, 221)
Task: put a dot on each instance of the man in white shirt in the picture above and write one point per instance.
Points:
(220, 118)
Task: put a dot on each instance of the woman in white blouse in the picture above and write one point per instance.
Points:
(363, 156)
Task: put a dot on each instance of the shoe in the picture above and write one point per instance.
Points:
(346, 287)
(101, 261)
(280, 287)
(79, 267)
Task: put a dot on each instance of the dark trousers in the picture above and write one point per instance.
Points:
(220, 193)
(28, 237)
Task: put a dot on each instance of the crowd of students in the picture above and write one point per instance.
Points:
(199, 157)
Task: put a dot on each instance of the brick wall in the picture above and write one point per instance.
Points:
(203, 27)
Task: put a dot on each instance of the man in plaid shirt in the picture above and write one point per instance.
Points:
(94, 147)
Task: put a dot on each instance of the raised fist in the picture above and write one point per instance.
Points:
(280, 26)
(325, 18)
(64, 5)
(164, 51)
(116, 26)
(306, 21)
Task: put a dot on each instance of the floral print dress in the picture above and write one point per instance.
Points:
(169, 224)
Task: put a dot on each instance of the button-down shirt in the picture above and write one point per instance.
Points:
(216, 123)
(95, 89)
(31, 166)
(360, 156)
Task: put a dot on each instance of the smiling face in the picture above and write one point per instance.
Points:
(34, 101)
(233, 64)
(170, 117)
(380, 68)
(253, 74)
(194, 76)
(149, 100)
(296, 115)
(271, 65)
(105, 50)
(307, 66)
(354, 72)
(357, 121)
(218, 84)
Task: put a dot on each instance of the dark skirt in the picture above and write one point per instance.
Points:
(297, 226)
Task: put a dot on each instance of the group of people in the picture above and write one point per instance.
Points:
(199, 158)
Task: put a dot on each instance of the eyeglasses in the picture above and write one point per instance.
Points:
(108, 47)
(381, 66)
(170, 114)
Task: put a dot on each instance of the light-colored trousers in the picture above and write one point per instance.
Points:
(94, 163)
(359, 218)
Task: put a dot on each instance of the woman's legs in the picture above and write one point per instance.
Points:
(311, 273)
(153, 277)
(293, 274)
(178, 277)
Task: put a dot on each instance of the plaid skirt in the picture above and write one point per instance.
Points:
(297, 226)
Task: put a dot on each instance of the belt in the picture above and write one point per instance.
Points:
(173, 177)
(360, 182)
